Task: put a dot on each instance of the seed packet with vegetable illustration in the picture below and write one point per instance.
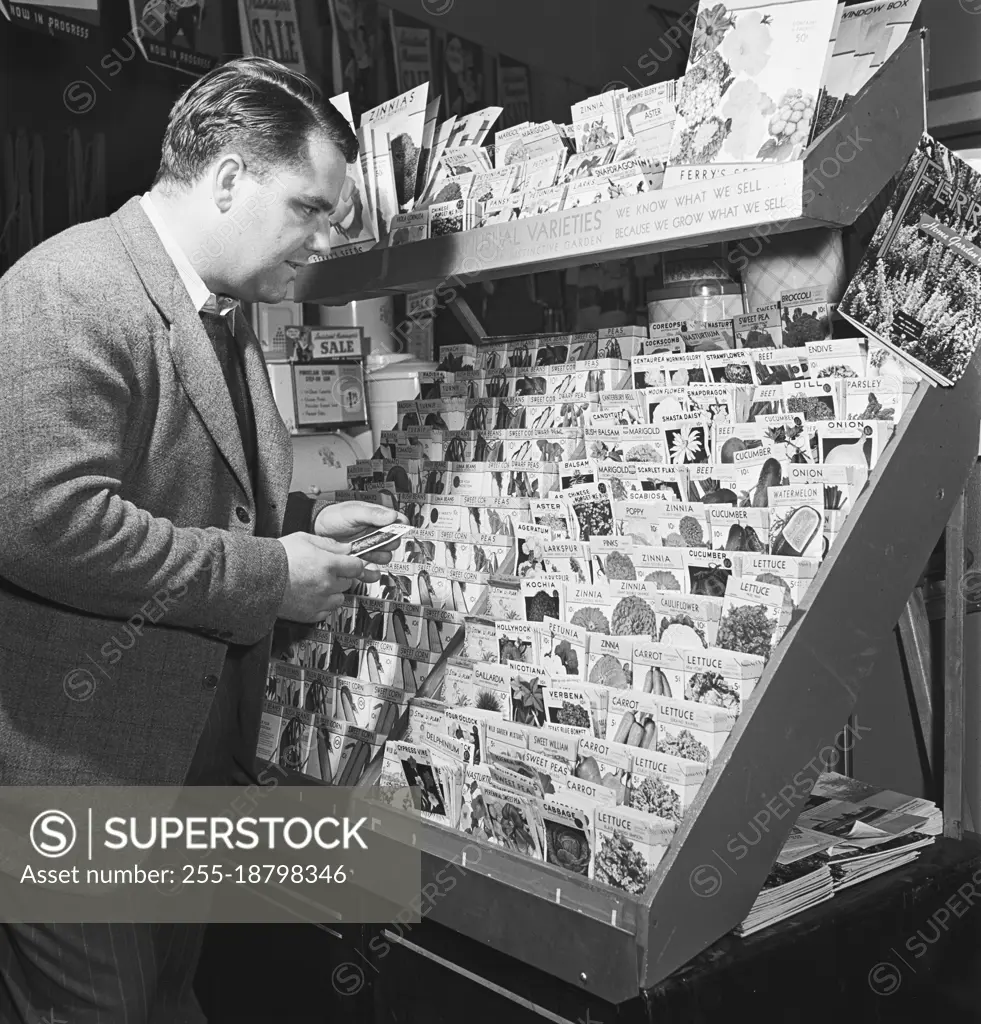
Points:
(714, 483)
(632, 719)
(793, 437)
(776, 366)
(665, 785)
(569, 833)
(691, 730)
(719, 677)
(794, 575)
(757, 470)
(843, 357)
(605, 763)
(376, 709)
(439, 628)
(754, 617)
(594, 793)
(346, 654)
(610, 660)
(842, 483)
(296, 741)
(853, 442)
(658, 669)
(796, 520)
(687, 621)
(706, 571)
(739, 529)
(805, 316)
(877, 398)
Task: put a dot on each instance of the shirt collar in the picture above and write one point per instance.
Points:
(203, 299)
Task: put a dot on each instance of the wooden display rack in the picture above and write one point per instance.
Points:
(610, 944)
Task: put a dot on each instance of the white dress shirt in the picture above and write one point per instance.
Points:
(200, 295)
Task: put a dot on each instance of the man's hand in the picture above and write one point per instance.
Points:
(321, 570)
(348, 520)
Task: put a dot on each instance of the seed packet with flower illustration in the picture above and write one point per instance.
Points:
(750, 88)
(560, 742)
(844, 357)
(759, 331)
(610, 660)
(556, 514)
(642, 443)
(517, 642)
(703, 338)
(491, 688)
(424, 713)
(754, 617)
(514, 821)
(637, 520)
(731, 367)
(716, 402)
(457, 687)
(687, 620)
(658, 669)
(577, 471)
(648, 370)
(470, 726)
(693, 731)
(613, 558)
(739, 529)
(530, 539)
(569, 705)
(621, 179)
(480, 638)
(665, 785)
(681, 524)
(562, 650)
(582, 165)
(622, 481)
(595, 122)
(627, 407)
(592, 510)
(633, 608)
(707, 571)
(663, 568)
(688, 439)
(588, 606)
(544, 597)
(538, 202)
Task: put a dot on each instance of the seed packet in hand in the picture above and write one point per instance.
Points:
(379, 538)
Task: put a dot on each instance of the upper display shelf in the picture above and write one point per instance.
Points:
(838, 177)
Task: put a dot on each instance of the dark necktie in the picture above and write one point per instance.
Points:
(230, 358)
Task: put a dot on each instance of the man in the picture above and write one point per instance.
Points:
(148, 544)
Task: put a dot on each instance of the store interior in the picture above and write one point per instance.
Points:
(879, 664)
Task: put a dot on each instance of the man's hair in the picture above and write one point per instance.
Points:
(256, 106)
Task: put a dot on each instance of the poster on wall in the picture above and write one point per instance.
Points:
(182, 34)
(70, 19)
(412, 45)
(357, 51)
(463, 76)
(513, 91)
(270, 29)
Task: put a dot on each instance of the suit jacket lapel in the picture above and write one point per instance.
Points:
(275, 449)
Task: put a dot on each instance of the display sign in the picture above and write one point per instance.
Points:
(357, 51)
(312, 344)
(412, 45)
(182, 34)
(463, 76)
(270, 29)
(69, 19)
(329, 394)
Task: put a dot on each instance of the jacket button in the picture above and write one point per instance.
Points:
(210, 682)
(243, 515)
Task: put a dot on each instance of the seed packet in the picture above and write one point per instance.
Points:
(578, 471)
(270, 730)
(556, 742)
(730, 367)
(457, 686)
(632, 719)
(320, 697)
(612, 558)
(516, 642)
(420, 775)
(526, 703)
(681, 524)
(633, 608)
(628, 406)
(346, 654)
(509, 738)
(719, 677)
(715, 402)
(663, 568)
(504, 599)
(569, 829)
(480, 639)
(491, 688)
(739, 529)
(610, 660)
(562, 650)
(658, 669)
(754, 618)
(758, 470)
(794, 575)
(530, 540)
(793, 437)
(285, 684)
(804, 316)
(589, 607)
(642, 443)
(696, 732)
(842, 483)
(376, 709)
(707, 572)
(499, 516)
(544, 597)
(604, 763)
(687, 621)
(796, 520)
(665, 785)
(816, 400)
(592, 510)
(569, 705)
(595, 794)
(876, 398)
(439, 629)
(424, 713)
(760, 330)
(467, 725)
(844, 357)
(767, 398)
(569, 559)
(853, 442)
(637, 520)
(688, 439)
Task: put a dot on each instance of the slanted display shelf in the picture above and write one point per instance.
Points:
(840, 174)
(608, 943)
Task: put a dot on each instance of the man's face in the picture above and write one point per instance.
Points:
(280, 223)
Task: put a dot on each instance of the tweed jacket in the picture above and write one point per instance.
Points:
(132, 546)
